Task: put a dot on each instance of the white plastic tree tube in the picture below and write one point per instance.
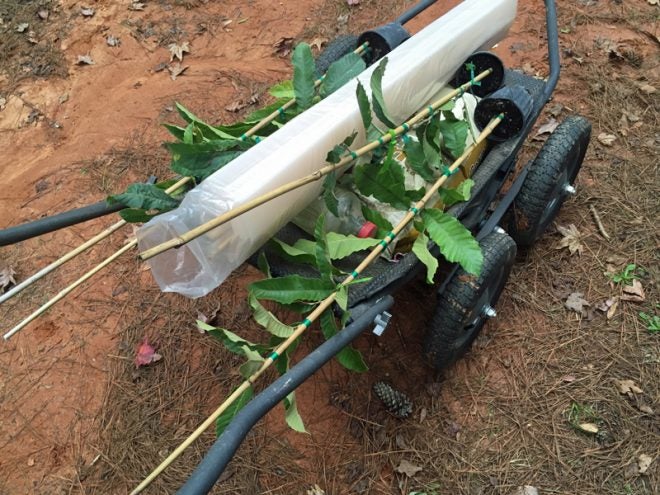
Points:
(416, 71)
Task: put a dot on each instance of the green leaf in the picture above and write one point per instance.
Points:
(454, 240)
(175, 130)
(188, 133)
(225, 418)
(135, 215)
(292, 288)
(458, 194)
(340, 246)
(233, 342)
(454, 133)
(323, 263)
(349, 357)
(383, 224)
(365, 106)
(262, 264)
(267, 319)
(377, 94)
(342, 297)
(385, 182)
(206, 130)
(145, 196)
(431, 139)
(203, 159)
(250, 367)
(416, 160)
(283, 90)
(340, 72)
(266, 111)
(303, 75)
(335, 155)
(421, 250)
(292, 253)
(291, 414)
(331, 201)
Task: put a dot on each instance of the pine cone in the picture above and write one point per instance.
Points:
(394, 401)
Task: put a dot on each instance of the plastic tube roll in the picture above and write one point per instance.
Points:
(416, 71)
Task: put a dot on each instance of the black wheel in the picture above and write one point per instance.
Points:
(550, 180)
(468, 302)
(333, 51)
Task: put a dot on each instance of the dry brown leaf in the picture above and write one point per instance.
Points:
(283, 46)
(408, 468)
(316, 490)
(568, 378)
(85, 60)
(87, 12)
(6, 277)
(318, 43)
(606, 139)
(136, 6)
(644, 461)
(546, 129)
(422, 414)
(647, 88)
(571, 239)
(112, 41)
(627, 387)
(634, 292)
(43, 14)
(526, 490)
(176, 70)
(588, 428)
(236, 106)
(576, 302)
(646, 409)
(22, 27)
(654, 2)
(177, 51)
(30, 462)
(609, 307)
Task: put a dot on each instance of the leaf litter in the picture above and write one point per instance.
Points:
(6, 278)
(571, 239)
(634, 292)
(576, 302)
(408, 468)
(177, 51)
(146, 354)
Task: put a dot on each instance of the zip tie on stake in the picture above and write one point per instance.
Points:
(253, 203)
(471, 67)
(316, 313)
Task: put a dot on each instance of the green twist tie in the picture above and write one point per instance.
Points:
(390, 235)
(431, 111)
(461, 91)
(470, 66)
(281, 111)
(355, 274)
(307, 323)
(257, 139)
(383, 243)
(406, 127)
(392, 133)
(380, 140)
(274, 355)
(501, 116)
(322, 77)
(354, 155)
(243, 137)
(406, 138)
(414, 210)
(448, 172)
(365, 46)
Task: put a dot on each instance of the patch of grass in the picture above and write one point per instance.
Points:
(652, 321)
(581, 413)
(625, 276)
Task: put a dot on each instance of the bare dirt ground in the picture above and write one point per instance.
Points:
(77, 417)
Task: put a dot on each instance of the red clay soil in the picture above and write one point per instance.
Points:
(55, 375)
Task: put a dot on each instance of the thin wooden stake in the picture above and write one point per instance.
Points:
(316, 313)
(279, 191)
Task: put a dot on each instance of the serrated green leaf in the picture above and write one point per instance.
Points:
(341, 297)
(385, 182)
(416, 160)
(135, 215)
(303, 75)
(323, 263)
(421, 250)
(292, 288)
(331, 201)
(340, 246)
(203, 159)
(365, 106)
(145, 196)
(225, 418)
(383, 224)
(335, 155)
(458, 194)
(292, 253)
(349, 357)
(267, 319)
(283, 90)
(234, 344)
(431, 140)
(250, 367)
(291, 414)
(454, 240)
(340, 72)
(175, 130)
(454, 133)
(377, 94)
(207, 131)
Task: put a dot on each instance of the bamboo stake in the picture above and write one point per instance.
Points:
(316, 313)
(231, 214)
(102, 235)
(113, 228)
(75, 252)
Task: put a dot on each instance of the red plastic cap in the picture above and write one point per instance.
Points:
(368, 229)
